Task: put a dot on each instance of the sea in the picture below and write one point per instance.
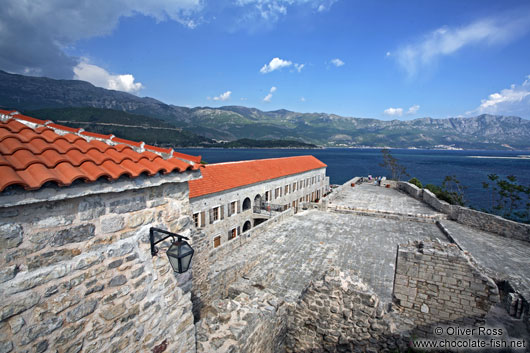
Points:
(470, 167)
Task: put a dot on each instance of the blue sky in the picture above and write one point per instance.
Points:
(378, 59)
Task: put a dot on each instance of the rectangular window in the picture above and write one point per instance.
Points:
(196, 219)
(216, 214)
(286, 189)
(293, 187)
(216, 241)
(232, 208)
(232, 233)
(267, 196)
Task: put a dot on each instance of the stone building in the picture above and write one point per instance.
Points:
(232, 198)
(76, 271)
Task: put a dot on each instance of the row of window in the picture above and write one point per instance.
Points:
(217, 213)
(290, 188)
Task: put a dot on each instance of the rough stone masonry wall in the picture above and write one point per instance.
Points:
(438, 283)
(339, 313)
(77, 275)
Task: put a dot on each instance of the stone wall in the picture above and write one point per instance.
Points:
(77, 274)
(491, 223)
(221, 269)
(247, 323)
(438, 283)
(410, 189)
(481, 220)
(339, 313)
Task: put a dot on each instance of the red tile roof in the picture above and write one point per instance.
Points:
(33, 152)
(226, 176)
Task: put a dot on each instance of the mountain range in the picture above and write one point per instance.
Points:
(44, 96)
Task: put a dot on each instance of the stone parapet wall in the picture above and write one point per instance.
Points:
(491, 223)
(410, 189)
(438, 283)
(480, 220)
(78, 276)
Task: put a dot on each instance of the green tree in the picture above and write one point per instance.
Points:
(397, 170)
(454, 190)
(509, 199)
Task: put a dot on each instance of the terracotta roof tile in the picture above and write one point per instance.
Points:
(38, 152)
(226, 176)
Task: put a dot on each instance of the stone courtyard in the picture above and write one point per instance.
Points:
(357, 233)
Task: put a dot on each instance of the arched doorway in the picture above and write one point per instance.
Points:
(246, 204)
(257, 201)
(246, 226)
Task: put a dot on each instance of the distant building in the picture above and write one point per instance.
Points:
(231, 198)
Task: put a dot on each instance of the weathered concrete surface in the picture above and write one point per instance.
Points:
(302, 247)
(368, 197)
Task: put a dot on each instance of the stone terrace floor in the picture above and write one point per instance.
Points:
(303, 246)
(502, 257)
(368, 197)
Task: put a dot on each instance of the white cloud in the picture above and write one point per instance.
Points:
(275, 64)
(414, 109)
(509, 101)
(272, 10)
(337, 62)
(268, 97)
(446, 40)
(394, 111)
(33, 34)
(223, 96)
(299, 67)
(388, 53)
(102, 78)
(302, 99)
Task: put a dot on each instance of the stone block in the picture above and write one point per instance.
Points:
(19, 305)
(8, 273)
(118, 281)
(127, 205)
(91, 208)
(11, 235)
(50, 257)
(39, 330)
(82, 310)
(110, 312)
(111, 224)
(72, 235)
(68, 334)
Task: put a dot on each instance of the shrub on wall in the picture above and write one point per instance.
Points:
(416, 182)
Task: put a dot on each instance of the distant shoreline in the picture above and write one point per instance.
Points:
(502, 157)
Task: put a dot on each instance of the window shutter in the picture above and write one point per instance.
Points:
(203, 218)
(238, 230)
(222, 207)
(238, 206)
(228, 210)
(210, 214)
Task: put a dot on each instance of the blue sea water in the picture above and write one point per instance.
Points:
(429, 166)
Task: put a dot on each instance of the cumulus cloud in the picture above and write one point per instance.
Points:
(102, 78)
(275, 64)
(509, 101)
(223, 96)
(414, 109)
(33, 34)
(394, 111)
(337, 62)
(268, 97)
(446, 40)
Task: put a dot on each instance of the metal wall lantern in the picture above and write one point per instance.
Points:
(179, 253)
